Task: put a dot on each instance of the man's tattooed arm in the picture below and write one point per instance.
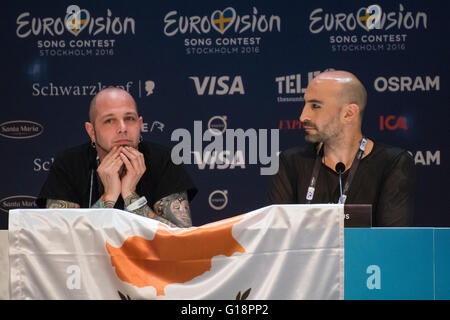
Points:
(172, 210)
(51, 203)
(103, 204)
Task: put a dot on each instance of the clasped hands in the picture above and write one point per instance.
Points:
(120, 171)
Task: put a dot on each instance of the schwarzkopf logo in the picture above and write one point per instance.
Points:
(21, 129)
(18, 202)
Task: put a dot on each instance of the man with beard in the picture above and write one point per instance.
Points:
(117, 169)
(373, 173)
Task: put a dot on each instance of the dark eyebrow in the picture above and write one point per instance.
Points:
(107, 115)
(113, 115)
(314, 101)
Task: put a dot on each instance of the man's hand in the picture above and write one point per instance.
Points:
(135, 168)
(108, 171)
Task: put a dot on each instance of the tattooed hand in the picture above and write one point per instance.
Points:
(172, 210)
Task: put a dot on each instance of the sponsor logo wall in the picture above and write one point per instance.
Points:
(222, 85)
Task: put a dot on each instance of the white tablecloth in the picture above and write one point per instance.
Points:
(4, 265)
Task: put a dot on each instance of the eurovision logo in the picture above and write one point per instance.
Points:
(206, 34)
(382, 29)
(75, 21)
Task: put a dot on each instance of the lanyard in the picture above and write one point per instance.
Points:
(316, 169)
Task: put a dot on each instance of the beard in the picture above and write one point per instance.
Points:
(330, 131)
(106, 149)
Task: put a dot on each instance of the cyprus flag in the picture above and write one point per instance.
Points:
(277, 252)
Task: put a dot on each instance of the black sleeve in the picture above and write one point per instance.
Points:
(396, 201)
(281, 189)
(174, 179)
(59, 184)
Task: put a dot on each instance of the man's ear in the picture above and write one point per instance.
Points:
(141, 122)
(90, 130)
(351, 112)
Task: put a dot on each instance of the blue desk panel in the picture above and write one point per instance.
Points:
(442, 263)
(397, 263)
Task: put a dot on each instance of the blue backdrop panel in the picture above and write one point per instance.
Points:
(231, 65)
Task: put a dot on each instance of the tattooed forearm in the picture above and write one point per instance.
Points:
(103, 204)
(169, 210)
(145, 210)
(175, 208)
(51, 203)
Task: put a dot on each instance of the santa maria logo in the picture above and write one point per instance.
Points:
(367, 29)
(54, 40)
(225, 31)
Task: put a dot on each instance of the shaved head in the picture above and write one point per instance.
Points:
(107, 95)
(351, 90)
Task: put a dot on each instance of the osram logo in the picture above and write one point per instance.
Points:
(427, 157)
(392, 123)
(405, 83)
(21, 129)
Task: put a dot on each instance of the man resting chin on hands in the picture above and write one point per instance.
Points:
(130, 174)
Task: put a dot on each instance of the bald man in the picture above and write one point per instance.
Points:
(118, 170)
(372, 173)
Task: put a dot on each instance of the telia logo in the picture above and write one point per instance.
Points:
(21, 129)
(392, 123)
(18, 202)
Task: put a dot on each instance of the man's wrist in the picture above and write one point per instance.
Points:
(129, 194)
(130, 198)
(137, 204)
(106, 202)
(109, 198)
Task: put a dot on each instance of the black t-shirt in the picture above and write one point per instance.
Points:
(70, 177)
(385, 178)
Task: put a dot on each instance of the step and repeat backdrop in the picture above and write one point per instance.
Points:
(229, 73)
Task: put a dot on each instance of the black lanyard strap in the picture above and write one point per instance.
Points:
(353, 168)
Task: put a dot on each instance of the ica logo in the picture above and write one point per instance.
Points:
(392, 123)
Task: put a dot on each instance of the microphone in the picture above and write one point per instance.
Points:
(340, 168)
(92, 168)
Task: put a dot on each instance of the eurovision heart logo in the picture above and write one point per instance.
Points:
(76, 19)
(369, 18)
(223, 20)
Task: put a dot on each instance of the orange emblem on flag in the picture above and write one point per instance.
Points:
(173, 256)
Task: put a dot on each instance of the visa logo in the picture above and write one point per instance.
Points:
(223, 85)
